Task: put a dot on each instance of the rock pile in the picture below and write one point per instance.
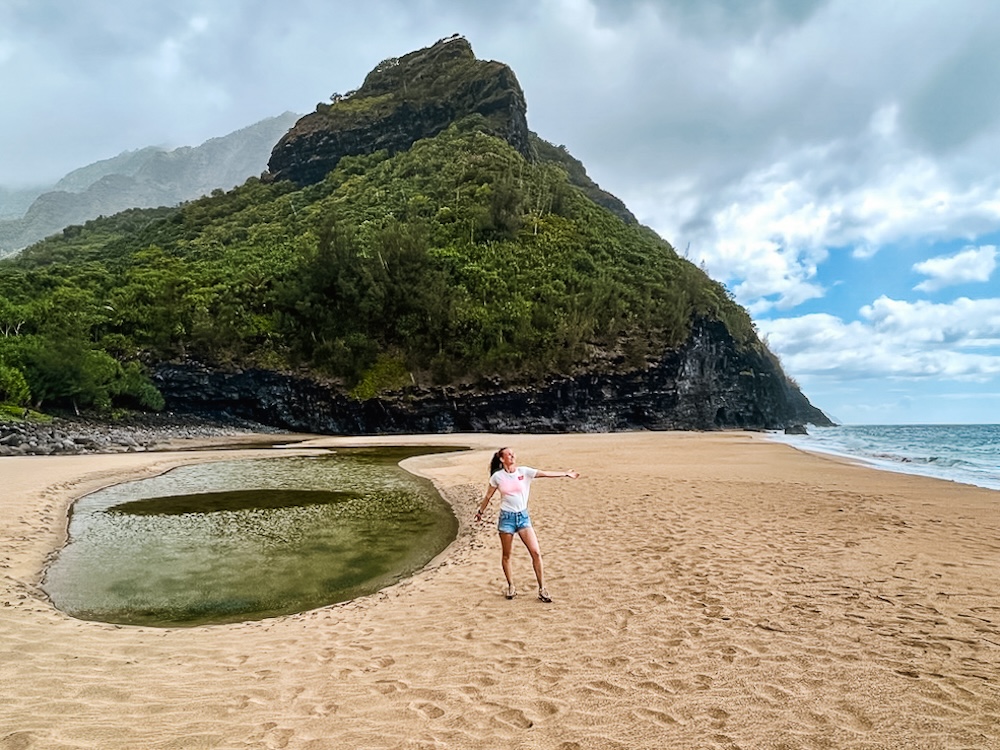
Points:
(71, 436)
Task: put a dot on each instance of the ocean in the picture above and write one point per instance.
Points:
(966, 453)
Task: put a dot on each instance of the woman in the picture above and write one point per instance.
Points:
(513, 482)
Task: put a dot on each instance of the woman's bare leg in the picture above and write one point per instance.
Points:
(527, 535)
(506, 542)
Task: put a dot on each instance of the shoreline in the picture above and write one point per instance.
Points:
(711, 590)
(958, 467)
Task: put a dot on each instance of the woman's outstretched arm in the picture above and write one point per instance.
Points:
(565, 474)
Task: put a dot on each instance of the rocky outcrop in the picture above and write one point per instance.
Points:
(401, 101)
(707, 384)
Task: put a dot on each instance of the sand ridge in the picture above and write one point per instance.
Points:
(711, 591)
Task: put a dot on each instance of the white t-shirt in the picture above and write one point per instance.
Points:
(513, 487)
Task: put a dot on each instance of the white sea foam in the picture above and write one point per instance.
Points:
(966, 453)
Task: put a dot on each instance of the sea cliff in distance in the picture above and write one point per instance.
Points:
(415, 259)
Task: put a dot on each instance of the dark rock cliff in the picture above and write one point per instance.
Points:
(707, 384)
(401, 101)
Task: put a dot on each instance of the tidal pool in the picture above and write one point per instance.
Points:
(248, 539)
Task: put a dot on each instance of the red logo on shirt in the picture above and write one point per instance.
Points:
(520, 478)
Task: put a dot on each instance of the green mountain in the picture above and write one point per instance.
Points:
(415, 260)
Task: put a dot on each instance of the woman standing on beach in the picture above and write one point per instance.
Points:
(513, 482)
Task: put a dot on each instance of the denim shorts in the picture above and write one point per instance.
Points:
(510, 522)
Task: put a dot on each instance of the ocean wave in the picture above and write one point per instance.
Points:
(943, 461)
(969, 454)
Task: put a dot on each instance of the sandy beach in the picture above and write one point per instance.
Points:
(710, 591)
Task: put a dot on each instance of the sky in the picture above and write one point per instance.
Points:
(836, 163)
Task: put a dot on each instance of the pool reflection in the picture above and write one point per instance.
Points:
(248, 539)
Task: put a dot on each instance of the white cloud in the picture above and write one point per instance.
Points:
(961, 323)
(956, 341)
(176, 55)
(969, 265)
(767, 233)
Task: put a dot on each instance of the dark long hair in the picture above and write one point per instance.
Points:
(495, 463)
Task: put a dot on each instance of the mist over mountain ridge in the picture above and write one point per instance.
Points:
(144, 178)
(14, 201)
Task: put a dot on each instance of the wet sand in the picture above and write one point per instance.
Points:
(711, 591)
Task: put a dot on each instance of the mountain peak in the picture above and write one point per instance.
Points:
(392, 73)
(401, 101)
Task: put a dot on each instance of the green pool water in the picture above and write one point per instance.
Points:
(248, 539)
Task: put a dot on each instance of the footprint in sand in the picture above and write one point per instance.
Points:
(324, 709)
(274, 736)
(719, 717)
(615, 662)
(519, 646)
(723, 741)
(239, 702)
(548, 709)
(388, 687)
(660, 718)
(655, 687)
(17, 741)
(854, 717)
(601, 688)
(380, 663)
(774, 694)
(702, 681)
(512, 717)
(484, 680)
(428, 710)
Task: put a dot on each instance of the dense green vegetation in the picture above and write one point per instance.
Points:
(452, 261)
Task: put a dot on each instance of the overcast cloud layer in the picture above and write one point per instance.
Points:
(835, 163)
